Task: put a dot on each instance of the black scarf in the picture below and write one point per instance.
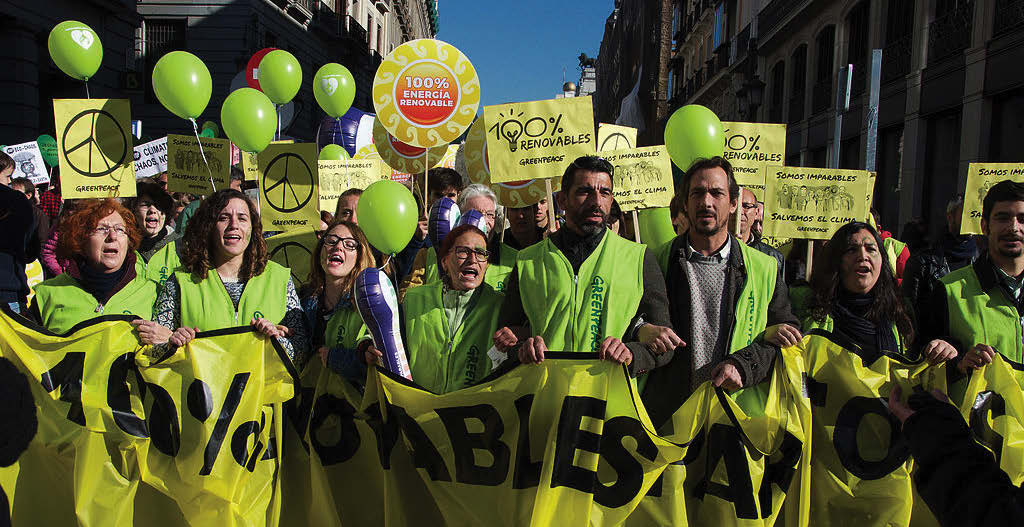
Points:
(959, 250)
(849, 322)
(99, 284)
(576, 247)
(147, 244)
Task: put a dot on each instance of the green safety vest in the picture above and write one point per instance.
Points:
(63, 302)
(576, 312)
(430, 269)
(344, 329)
(828, 324)
(893, 249)
(205, 304)
(160, 266)
(977, 318)
(442, 361)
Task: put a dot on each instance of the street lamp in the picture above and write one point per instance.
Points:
(749, 98)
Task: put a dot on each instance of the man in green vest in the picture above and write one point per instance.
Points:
(979, 308)
(728, 301)
(584, 289)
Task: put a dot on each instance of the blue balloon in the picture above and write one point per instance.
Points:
(444, 217)
(341, 131)
(474, 218)
(378, 307)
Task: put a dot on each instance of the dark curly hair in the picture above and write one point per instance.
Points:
(826, 283)
(76, 227)
(201, 232)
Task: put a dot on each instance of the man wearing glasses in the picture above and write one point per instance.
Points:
(749, 214)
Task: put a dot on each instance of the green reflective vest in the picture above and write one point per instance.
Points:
(344, 329)
(431, 273)
(577, 311)
(205, 304)
(63, 302)
(975, 317)
(497, 273)
(893, 249)
(161, 266)
(440, 359)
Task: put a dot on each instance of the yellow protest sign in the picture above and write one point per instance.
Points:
(615, 137)
(751, 147)
(94, 147)
(186, 170)
(980, 178)
(250, 164)
(812, 203)
(515, 194)
(426, 93)
(403, 157)
(288, 187)
(338, 176)
(294, 250)
(537, 140)
(643, 177)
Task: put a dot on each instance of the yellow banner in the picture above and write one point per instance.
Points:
(294, 250)
(994, 408)
(751, 148)
(289, 198)
(515, 194)
(643, 177)
(538, 140)
(338, 176)
(186, 170)
(94, 147)
(615, 137)
(980, 178)
(813, 203)
(250, 161)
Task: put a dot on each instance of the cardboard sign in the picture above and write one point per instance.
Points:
(289, 198)
(94, 147)
(615, 137)
(338, 176)
(28, 162)
(402, 157)
(515, 194)
(186, 170)
(250, 166)
(294, 250)
(642, 178)
(537, 140)
(151, 158)
(812, 203)
(980, 178)
(751, 148)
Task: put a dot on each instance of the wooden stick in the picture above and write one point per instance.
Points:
(636, 226)
(551, 205)
(736, 222)
(810, 260)
(426, 206)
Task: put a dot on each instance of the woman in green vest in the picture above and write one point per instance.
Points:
(227, 280)
(157, 255)
(855, 297)
(336, 327)
(447, 324)
(99, 239)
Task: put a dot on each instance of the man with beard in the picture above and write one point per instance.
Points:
(728, 301)
(584, 288)
(978, 308)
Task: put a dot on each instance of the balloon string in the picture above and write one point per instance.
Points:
(87, 90)
(426, 165)
(318, 126)
(385, 264)
(278, 138)
(195, 128)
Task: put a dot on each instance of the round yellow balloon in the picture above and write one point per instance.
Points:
(513, 194)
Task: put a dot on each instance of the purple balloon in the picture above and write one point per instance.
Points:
(378, 307)
(341, 131)
(443, 218)
(475, 218)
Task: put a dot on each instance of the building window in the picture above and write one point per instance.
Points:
(821, 96)
(899, 40)
(778, 92)
(160, 37)
(720, 29)
(857, 51)
(798, 85)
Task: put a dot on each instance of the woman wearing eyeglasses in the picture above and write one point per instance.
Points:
(99, 240)
(448, 324)
(337, 329)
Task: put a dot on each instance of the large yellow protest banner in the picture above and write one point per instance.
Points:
(751, 148)
(812, 203)
(338, 176)
(193, 170)
(537, 140)
(980, 178)
(642, 177)
(94, 147)
(615, 137)
(289, 198)
(294, 249)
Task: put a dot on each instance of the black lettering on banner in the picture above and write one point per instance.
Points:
(571, 438)
(162, 421)
(67, 375)
(298, 410)
(985, 403)
(240, 443)
(844, 438)
(816, 391)
(779, 470)
(424, 453)
(199, 400)
(342, 427)
(724, 442)
(466, 443)
(527, 471)
(220, 430)
(385, 432)
(630, 473)
(119, 396)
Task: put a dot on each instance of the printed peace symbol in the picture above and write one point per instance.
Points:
(291, 172)
(104, 134)
(288, 252)
(615, 141)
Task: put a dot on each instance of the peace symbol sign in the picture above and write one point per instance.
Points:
(615, 141)
(289, 252)
(101, 132)
(292, 172)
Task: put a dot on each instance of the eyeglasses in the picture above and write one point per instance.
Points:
(349, 244)
(463, 253)
(749, 206)
(145, 204)
(107, 230)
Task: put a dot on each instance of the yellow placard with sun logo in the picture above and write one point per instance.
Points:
(513, 194)
(426, 93)
(404, 157)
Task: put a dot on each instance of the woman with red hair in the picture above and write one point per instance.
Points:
(99, 240)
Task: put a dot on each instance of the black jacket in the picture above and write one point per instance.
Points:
(667, 387)
(19, 244)
(924, 269)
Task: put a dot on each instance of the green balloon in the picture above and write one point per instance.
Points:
(656, 226)
(280, 76)
(76, 49)
(48, 149)
(390, 215)
(334, 89)
(333, 152)
(249, 119)
(210, 125)
(182, 83)
(693, 132)
(206, 132)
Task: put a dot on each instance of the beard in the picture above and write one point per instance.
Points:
(707, 230)
(588, 227)
(1010, 253)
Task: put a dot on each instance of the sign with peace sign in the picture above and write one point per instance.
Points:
(94, 147)
(294, 250)
(615, 137)
(289, 196)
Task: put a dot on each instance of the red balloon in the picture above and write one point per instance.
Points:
(253, 67)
